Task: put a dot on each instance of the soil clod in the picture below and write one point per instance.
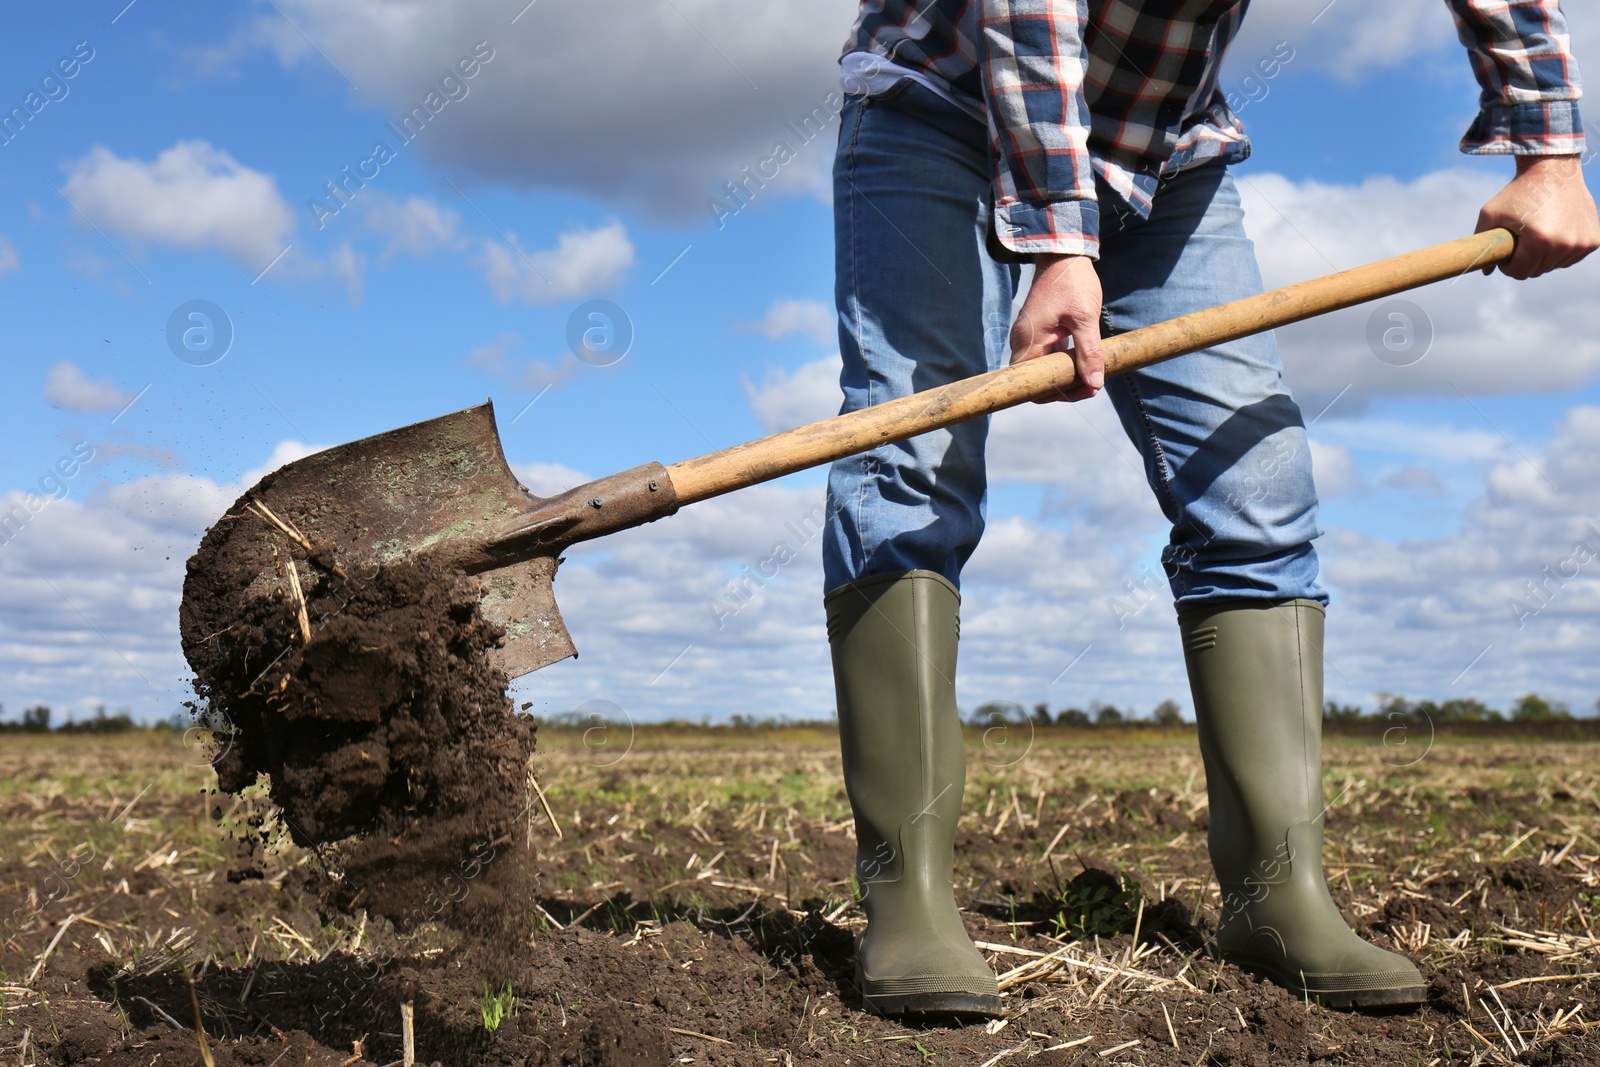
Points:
(387, 739)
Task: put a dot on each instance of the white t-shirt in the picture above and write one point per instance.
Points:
(868, 72)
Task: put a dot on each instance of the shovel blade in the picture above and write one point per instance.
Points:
(425, 488)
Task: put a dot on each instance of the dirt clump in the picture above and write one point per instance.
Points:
(387, 736)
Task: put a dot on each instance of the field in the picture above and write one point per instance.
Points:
(694, 906)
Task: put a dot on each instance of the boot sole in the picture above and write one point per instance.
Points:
(1380, 998)
(961, 1007)
(955, 1005)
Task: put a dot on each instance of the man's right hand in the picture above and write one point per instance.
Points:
(1063, 306)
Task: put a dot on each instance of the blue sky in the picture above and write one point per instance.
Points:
(587, 149)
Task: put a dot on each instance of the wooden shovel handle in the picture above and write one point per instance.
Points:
(1036, 379)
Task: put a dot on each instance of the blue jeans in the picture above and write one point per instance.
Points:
(922, 303)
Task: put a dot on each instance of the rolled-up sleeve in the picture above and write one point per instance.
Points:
(1522, 56)
(1033, 62)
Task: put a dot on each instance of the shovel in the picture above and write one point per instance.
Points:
(442, 487)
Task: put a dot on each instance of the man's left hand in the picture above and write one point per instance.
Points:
(1548, 207)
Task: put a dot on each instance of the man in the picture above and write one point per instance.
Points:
(1092, 139)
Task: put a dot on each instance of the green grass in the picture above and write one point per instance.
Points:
(495, 1006)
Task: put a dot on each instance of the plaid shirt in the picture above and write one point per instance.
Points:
(1128, 90)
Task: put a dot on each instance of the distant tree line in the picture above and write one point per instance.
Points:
(1530, 708)
(36, 720)
(1166, 713)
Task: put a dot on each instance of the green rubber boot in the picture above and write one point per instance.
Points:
(1255, 669)
(905, 763)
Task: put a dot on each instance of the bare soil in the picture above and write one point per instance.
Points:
(695, 908)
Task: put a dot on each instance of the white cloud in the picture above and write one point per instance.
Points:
(786, 399)
(68, 387)
(1347, 38)
(492, 356)
(1062, 444)
(138, 452)
(1353, 39)
(694, 90)
(549, 479)
(1432, 441)
(1413, 615)
(348, 268)
(416, 226)
(176, 502)
(1414, 479)
(1583, 22)
(1333, 469)
(282, 453)
(811, 319)
(88, 609)
(694, 614)
(90, 584)
(1408, 615)
(583, 263)
(525, 374)
(1489, 335)
(192, 196)
(9, 260)
(270, 32)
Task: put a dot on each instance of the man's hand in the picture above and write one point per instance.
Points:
(1550, 210)
(1063, 305)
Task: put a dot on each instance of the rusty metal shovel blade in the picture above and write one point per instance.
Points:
(441, 488)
